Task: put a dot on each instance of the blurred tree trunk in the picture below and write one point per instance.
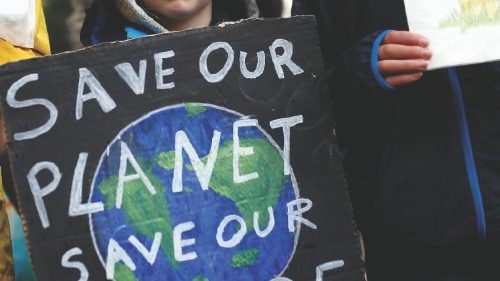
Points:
(56, 15)
(75, 21)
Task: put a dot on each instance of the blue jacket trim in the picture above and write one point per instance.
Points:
(133, 33)
(469, 155)
(374, 62)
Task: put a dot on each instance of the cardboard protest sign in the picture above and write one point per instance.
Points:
(460, 31)
(198, 155)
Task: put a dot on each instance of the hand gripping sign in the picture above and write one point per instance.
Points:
(199, 155)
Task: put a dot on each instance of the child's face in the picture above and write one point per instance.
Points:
(176, 9)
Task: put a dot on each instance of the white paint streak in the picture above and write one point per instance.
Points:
(126, 157)
(180, 243)
(12, 102)
(219, 76)
(203, 171)
(259, 69)
(116, 254)
(76, 208)
(239, 152)
(136, 81)
(39, 192)
(295, 211)
(286, 124)
(284, 59)
(65, 262)
(320, 269)
(97, 92)
(270, 226)
(149, 255)
(237, 237)
(161, 72)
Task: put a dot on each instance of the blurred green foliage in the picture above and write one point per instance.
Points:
(56, 14)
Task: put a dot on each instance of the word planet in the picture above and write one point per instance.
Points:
(183, 201)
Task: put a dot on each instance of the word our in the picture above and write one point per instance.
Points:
(151, 254)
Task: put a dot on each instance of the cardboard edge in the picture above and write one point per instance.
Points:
(19, 208)
(6, 68)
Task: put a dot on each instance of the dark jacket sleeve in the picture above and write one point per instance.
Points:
(358, 99)
(356, 65)
(337, 28)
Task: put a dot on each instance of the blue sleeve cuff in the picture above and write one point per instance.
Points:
(374, 62)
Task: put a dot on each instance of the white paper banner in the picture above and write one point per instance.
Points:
(460, 31)
(17, 22)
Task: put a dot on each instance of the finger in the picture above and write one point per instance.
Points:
(402, 52)
(403, 79)
(406, 38)
(394, 67)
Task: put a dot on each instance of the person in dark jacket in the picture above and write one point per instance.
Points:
(114, 20)
(422, 153)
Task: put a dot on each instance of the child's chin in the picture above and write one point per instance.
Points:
(178, 9)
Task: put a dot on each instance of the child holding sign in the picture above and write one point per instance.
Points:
(422, 150)
(125, 19)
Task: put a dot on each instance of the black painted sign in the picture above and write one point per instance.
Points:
(198, 155)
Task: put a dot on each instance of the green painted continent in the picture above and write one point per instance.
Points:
(146, 213)
(252, 196)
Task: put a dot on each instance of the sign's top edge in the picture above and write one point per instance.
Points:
(6, 68)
